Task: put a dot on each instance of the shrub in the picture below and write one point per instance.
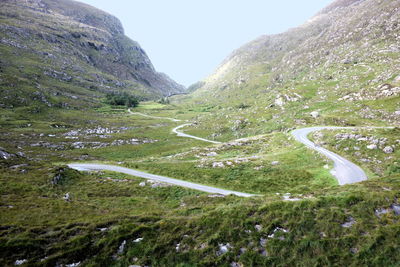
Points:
(124, 99)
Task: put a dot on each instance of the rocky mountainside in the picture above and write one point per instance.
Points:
(342, 64)
(62, 52)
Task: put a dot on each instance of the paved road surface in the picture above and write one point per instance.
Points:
(175, 130)
(149, 116)
(204, 188)
(344, 170)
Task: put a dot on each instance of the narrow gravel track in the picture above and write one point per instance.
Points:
(164, 179)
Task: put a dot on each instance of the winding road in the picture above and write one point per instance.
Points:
(163, 179)
(344, 170)
(175, 130)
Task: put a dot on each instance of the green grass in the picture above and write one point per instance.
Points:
(41, 225)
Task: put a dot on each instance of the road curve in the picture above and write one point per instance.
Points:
(164, 179)
(344, 170)
(149, 116)
(175, 130)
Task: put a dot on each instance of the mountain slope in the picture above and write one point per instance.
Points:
(67, 52)
(343, 64)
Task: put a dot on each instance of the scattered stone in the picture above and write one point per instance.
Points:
(142, 184)
(381, 211)
(5, 155)
(236, 264)
(20, 262)
(277, 230)
(354, 250)
(349, 223)
(388, 150)
(223, 248)
(211, 154)
(396, 209)
(372, 146)
(138, 240)
(288, 197)
(314, 114)
(158, 185)
(67, 197)
(218, 165)
(18, 166)
(103, 229)
(21, 154)
(121, 247)
(76, 264)
(229, 163)
(258, 227)
(274, 163)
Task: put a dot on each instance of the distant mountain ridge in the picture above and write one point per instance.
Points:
(342, 66)
(74, 44)
(334, 36)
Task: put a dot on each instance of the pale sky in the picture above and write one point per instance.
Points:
(188, 39)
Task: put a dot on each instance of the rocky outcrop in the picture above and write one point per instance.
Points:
(73, 45)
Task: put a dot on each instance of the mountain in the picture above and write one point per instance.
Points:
(66, 53)
(343, 64)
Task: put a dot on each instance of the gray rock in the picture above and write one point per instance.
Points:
(67, 197)
(349, 223)
(372, 146)
(274, 163)
(388, 150)
(20, 262)
(121, 247)
(218, 165)
(314, 114)
(258, 227)
(223, 248)
(5, 155)
(381, 211)
(396, 209)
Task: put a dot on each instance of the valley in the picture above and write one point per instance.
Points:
(287, 155)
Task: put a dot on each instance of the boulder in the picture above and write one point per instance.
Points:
(388, 150)
(5, 155)
(372, 146)
(314, 114)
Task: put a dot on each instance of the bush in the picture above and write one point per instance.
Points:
(123, 99)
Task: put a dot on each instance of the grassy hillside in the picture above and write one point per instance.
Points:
(111, 219)
(58, 59)
(66, 53)
(343, 64)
